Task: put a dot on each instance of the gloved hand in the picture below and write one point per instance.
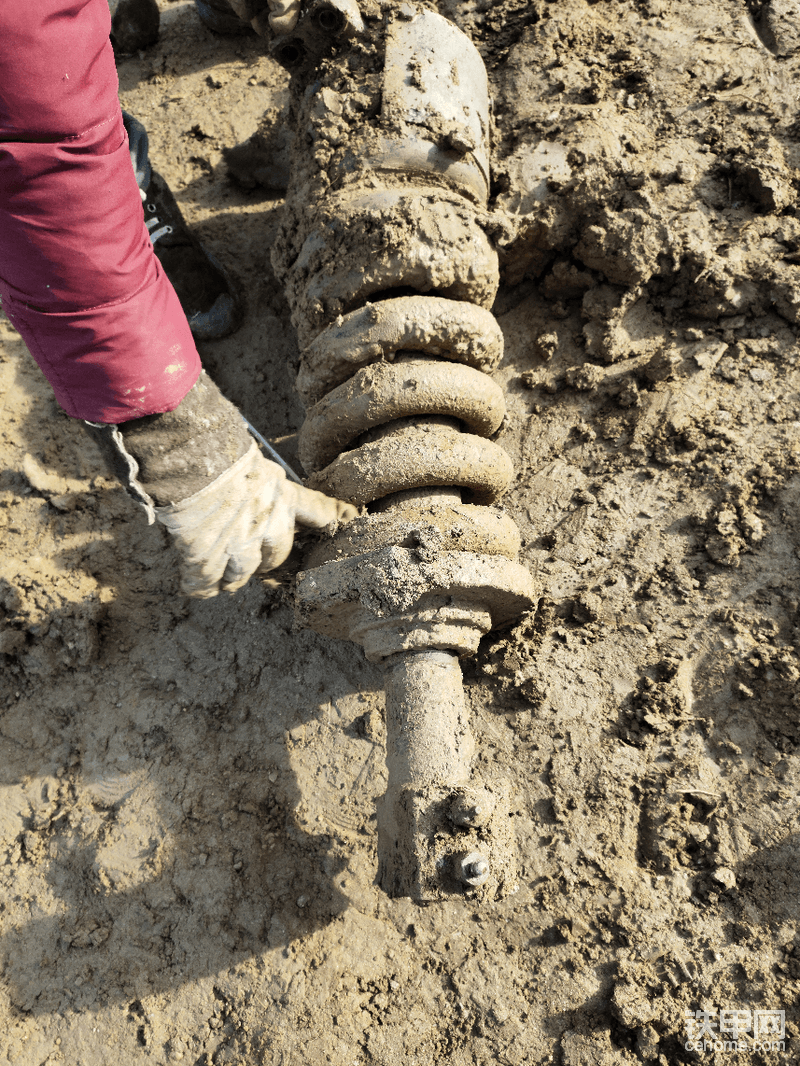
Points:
(198, 470)
(243, 522)
(282, 17)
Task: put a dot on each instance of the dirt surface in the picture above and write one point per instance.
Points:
(187, 790)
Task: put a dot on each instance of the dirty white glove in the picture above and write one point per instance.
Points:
(243, 522)
(198, 470)
(282, 14)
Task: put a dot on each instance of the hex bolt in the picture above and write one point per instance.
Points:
(472, 868)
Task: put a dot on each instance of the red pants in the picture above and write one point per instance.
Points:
(78, 275)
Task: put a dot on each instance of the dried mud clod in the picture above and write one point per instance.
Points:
(776, 23)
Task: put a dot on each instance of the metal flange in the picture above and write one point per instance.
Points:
(380, 599)
(425, 856)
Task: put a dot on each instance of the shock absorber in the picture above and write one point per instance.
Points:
(390, 275)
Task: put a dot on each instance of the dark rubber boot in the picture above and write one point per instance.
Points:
(134, 25)
(206, 293)
(220, 17)
(204, 290)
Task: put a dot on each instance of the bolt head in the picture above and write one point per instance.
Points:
(470, 808)
(472, 868)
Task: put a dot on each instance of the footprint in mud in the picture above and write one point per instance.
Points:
(777, 23)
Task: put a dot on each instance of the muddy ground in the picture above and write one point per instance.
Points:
(187, 846)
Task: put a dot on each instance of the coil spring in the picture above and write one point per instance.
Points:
(413, 357)
(390, 275)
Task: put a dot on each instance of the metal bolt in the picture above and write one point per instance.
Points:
(472, 868)
(465, 814)
(471, 808)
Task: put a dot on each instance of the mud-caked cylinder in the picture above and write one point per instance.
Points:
(390, 277)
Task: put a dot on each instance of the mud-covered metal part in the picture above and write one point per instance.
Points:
(321, 25)
(385, 391)
(472, 868)
(390, 274)
(454, 331)
(470, 808)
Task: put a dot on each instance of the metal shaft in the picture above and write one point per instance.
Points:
(428, 737)
(429, 749)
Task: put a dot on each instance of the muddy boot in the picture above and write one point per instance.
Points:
(206, 293)
(134, 24)
(220, 17)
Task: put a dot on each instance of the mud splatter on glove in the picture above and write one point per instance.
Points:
(282, 17)
(243, 522)
(198, 471)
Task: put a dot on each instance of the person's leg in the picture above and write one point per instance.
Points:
(134, 24)
(220, 17)
(205, 292)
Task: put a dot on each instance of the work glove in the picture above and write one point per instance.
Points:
(242, 523)
(281, 15)
(197, 470)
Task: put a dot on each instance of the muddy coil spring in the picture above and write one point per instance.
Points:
(390, 379)
(390, 276)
